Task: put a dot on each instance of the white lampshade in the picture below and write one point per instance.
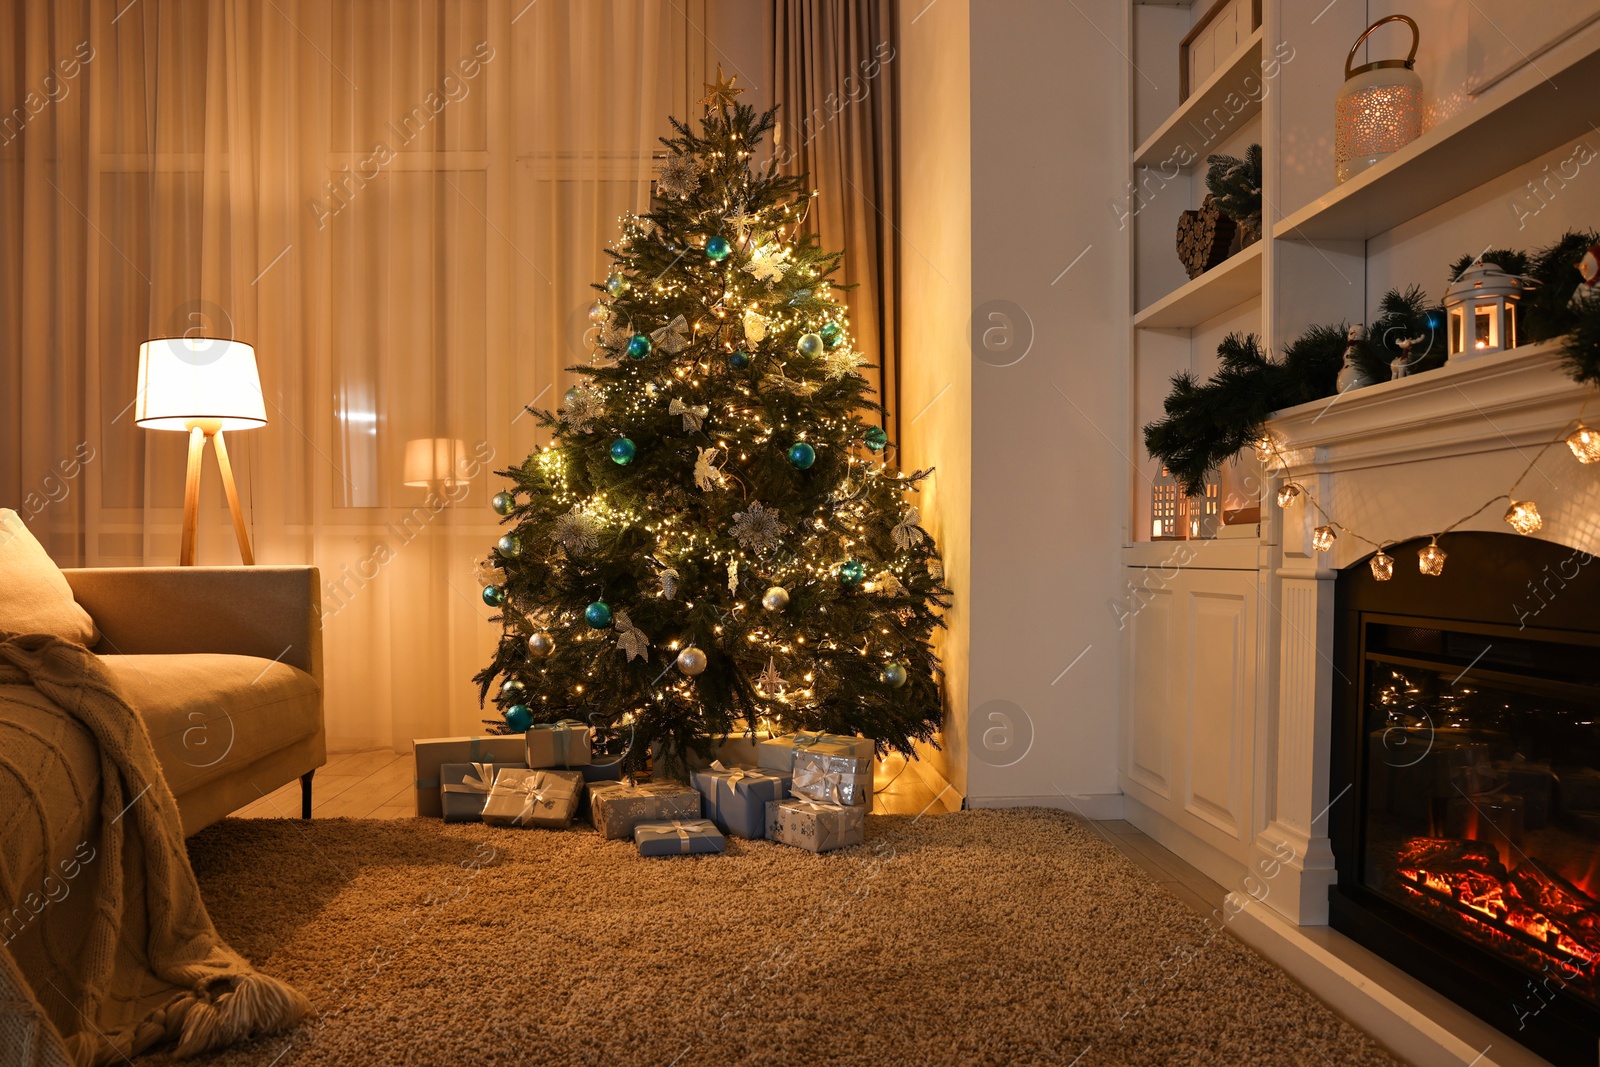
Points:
(431, 461)
(188, 380)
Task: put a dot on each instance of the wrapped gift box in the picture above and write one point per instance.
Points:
(680, 837)
(832, 779)
(736, 797)
(852, 759)
(463, 788)
(432, 753)
(597, 772)
(816, 827)
(618, 807)
(533, 797)
(561, 744)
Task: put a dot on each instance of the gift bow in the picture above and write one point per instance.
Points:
(560, 738)
(531, 789)
(693, 414)
(481, 780)
(683, 828)
(673, 337)
(734, 775)
(828, 781)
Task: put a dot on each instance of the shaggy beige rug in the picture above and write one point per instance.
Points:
(979, 937)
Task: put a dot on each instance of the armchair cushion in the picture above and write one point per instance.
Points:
(211, 714)
(37, 598)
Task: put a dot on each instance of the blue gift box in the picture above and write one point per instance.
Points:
(736, 797)
(679, 837)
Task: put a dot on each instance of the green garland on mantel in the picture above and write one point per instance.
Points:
(1207, 423)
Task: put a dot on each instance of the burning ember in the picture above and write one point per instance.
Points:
(1532, 905)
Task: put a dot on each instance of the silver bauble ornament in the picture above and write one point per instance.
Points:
(691, 661)
(776, 598)
(597, 312)
(509, 545)
(540, 645)
(893, 675)
(810, 344)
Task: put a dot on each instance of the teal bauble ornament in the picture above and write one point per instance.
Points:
(493, 595)
(809, 344)
(638, 346)
(617, 284)
(718, 248)
(875, 439)
(802, 456)
(598, 614)
(832, 334)
(519, 718)
(503, 503)
(510, 545)
(739, 360)
(893, 675)
(851, 572)
(622, 451)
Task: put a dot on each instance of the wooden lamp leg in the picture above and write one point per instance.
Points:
(191, 496)
(233, 501)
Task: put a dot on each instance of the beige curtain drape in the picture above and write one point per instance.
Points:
(400, 204)
(835, 79)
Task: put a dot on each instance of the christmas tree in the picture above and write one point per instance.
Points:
(714, 541)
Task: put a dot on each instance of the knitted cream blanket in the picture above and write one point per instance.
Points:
(107, 949)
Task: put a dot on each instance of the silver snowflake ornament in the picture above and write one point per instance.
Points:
(771, 683)
(488, 572)
(758, 528)
(576, 532)
(680, 176)
(707, 475)
(766, 265)
(842, 362)
(583, 407)
(741, 220)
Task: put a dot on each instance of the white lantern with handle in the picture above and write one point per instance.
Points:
(1379, 108)
(1482, 309)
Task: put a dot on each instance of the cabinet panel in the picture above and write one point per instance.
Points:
(1150, 729)
(1219, 704)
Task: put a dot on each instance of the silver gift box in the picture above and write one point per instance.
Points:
(618, 807)
(539, 797)
(832, 779)
(815, 827)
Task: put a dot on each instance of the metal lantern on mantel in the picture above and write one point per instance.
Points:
(1379, 108)
(1481, 306)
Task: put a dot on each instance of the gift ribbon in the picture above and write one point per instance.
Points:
(481, 780)
(559, 739)
(531, 789)
(683, 831)
(828, 781)
(804, 739)
(735, 775)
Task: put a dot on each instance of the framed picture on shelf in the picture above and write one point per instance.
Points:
(1212, 40)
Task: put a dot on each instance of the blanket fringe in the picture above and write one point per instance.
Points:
(230, 1008)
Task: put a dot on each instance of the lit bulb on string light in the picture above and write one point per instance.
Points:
(1265, 447)
(1585, 444)
(1288, 494)
(1382, 566)
(1322, 538)
(1524, 517)
(1430, 560)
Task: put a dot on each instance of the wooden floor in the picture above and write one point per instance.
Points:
(377, 784)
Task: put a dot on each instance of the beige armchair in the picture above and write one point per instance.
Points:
(225, 666)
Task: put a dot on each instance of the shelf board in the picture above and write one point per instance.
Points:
(1231, 282)
(1180, 132)
(1536, 109)
(1223, 554)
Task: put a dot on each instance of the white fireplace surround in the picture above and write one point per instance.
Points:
(1395, 461)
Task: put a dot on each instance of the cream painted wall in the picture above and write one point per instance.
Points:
(936, 287)
(1015, 309)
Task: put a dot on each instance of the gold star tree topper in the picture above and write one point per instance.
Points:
(722, 92)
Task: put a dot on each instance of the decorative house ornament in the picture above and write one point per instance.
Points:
(1481, 306)
(1379, 107)
(1175, 516)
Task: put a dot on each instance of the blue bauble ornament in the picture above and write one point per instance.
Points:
(638, 346)
(509, 545)
(809, 345)
(493, 595)
(598, 614)
(617, 284)
(875, 439)
(503, 503)
(622, 451)
(851, 572)
(832, 334)
(802, 456)
(739, 360)
(519, 718)
(893, 675)
(718, 248)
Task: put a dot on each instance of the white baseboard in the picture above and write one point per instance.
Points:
(1095, 806)
(1413, 1021)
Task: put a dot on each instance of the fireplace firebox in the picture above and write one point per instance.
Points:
(1466, 726)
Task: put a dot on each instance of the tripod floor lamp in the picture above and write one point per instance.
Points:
(202, 386)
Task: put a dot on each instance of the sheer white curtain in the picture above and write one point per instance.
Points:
(400, 204)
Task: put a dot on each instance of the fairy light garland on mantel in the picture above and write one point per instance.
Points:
(1521, 515)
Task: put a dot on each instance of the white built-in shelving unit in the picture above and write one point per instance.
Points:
(1206, 718)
